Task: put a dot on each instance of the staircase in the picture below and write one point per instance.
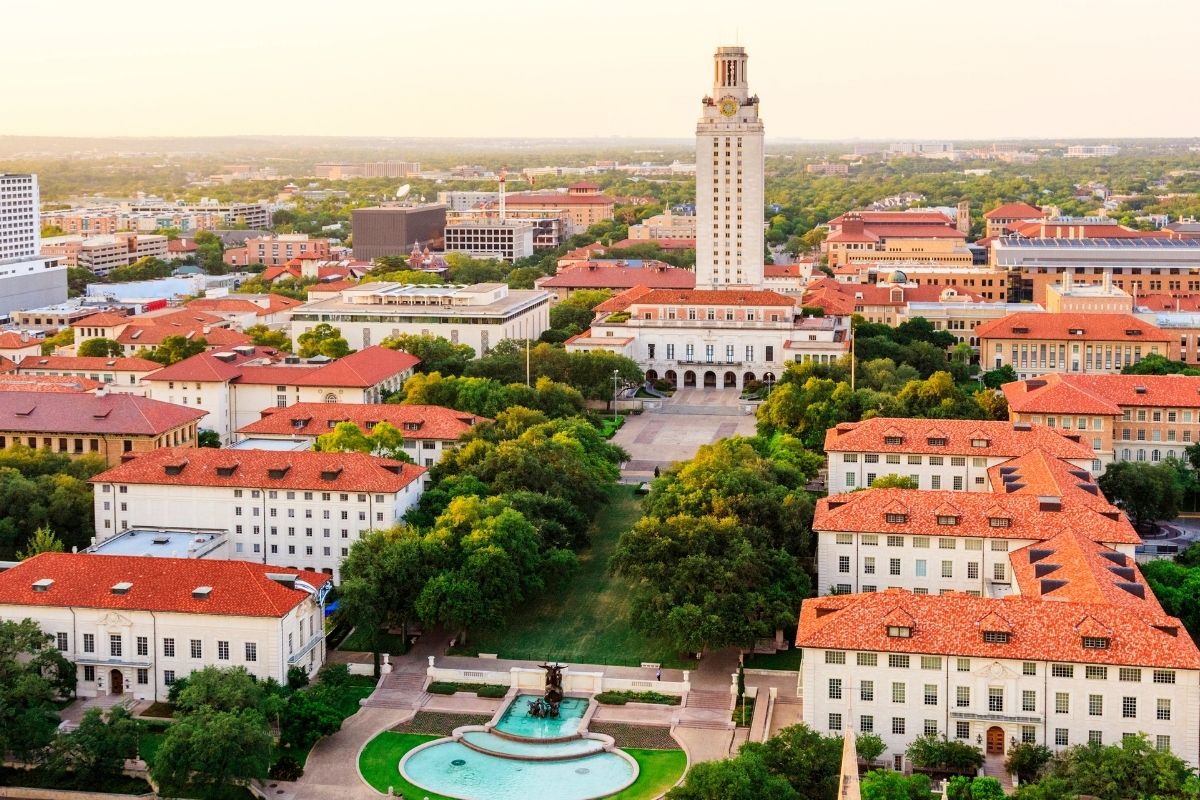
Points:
(993, 767)
(709, 710)
(402, 690)
(717, 701)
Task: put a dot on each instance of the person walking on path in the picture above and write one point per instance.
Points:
(658, 675)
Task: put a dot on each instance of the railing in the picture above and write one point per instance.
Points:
(296, 656)
(993, 717)
(118, 661)
(528, 678)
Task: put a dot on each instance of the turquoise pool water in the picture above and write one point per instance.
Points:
(517, 749)
(453, 769)
(517, 722)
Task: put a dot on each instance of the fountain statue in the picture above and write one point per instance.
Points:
(547, 706)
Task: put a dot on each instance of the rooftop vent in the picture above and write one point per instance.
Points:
(1036, 554)
(201, 592)
(1117, 558)
(121, 588)
(1014, 486)
(227, 470)
(1090, 488)
(283, 579)
(1125, 573)
(1021, 329)
(1048, 585)
(1139, 390)
(1035, 383)
(1022, 426)
(278, 472)
(160, 540)
(1132, 332)
(1076, 331)
(224, 356)
(1170, 630)
(1114, 515)
(42, 585)
(1082, 474)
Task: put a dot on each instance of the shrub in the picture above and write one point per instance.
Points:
(939, 753)
(620, 698)
(438, 687)
(1026, 761)
(491, 690)
(870, 746)
(334, 675)
(612, 698)
(480, 689)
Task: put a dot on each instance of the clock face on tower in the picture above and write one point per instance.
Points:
(729, 106)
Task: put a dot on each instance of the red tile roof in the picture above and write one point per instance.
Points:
(864, 512)
(114, 414)
(217, 365)
(1004, 439)
(844, 298)
(1083, 230)
(1101, 394)
(181, 246)
(558, 198)
(665, 244)
(218, 305)
(1040, 474)
(1168, 302)
(105, 319)
(588, 275)
(895, 218)
(953, 625)
(781, 270)
(1014, 211)
(98, 363)
(362, 369)
(12, 340)
(715, 297)
(12, 382)
(331, 286)
(302, 469)
(145, 335)
(1070, 566)
(1091, 327)
(83, 580)
(314, 419)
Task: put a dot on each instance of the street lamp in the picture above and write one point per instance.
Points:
(616, 376)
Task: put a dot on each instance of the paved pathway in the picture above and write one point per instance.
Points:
(690, 418)
(332, 769)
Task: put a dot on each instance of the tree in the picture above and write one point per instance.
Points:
(33, 675)
(941, 753)
(323, 340)
(883, 784)
(384, 440)
(210, 251)
(893, 481)
(99, 747)
(64, 338)
(217, 689)
(43, 540)
(263, 336)
(869, 746)
(305, 718)
(39, 488)
(100, 347)
(1144, 490)
(1132, 768)
(1027, 760)
(994, 379)
(174, 349)
(806, 759)
(207, 438)
(741, 778)
(1155, 364)
(437, 354)
(211, 750)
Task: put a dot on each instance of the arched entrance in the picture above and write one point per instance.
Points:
(730, 380)
(651, 375)
(995, 741)
(670, 377)
(710, 380)
(116, 682)
(748, 378)
(689, 379)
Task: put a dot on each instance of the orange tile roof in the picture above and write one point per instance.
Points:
(84, 580)
(1070, 566)
(301, 469)
(1168, 302)
(113, 414)
(143, 335)
(895, 218)
(1042, 475)
(559, 198)
(587, 275)
(105, 319)
(98, 363)
(864, 512)
(219, 305)
(361, 369)
(314, 419)
(622, 301)
(664, 244)
(1101, 394)
(331, 286)
(1042, 229)
(1014, 211)
(953, 625)
(893, 231)
(781, 270)
(217, 366)
(715, 297)
(12, 340)
(1093, 327)
(12, 382)
(1004, 439)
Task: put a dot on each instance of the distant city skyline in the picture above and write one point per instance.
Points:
(529, 68)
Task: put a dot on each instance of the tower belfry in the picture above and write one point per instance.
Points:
(729, 179)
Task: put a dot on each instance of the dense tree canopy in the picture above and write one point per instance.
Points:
(33, 675)
(488, 398)
(1144, 490)
(263, 336)
(100, 347)
(41, 489)
(437, 353)
(173, 349)
(323, 340)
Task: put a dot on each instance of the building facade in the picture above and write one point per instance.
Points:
(481, 315)
(120, 374)
(729, 179)
(505, 239)
(666, 225)
(1036, 344)
(275, 251)
(112, 426)
(27, 280)
(298, 508)
(392, 230)
(102, 254)
(134, 625)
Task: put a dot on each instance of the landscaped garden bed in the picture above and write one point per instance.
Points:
(623, 697)
(480, 689)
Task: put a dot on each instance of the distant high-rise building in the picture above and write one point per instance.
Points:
(729, 179)
(26, 279)
(391, 230)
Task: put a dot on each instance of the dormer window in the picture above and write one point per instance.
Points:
(979, 443)
(893, 440)
(1076, 331)
(900, 631)
(947, 519)
(995, 637)
(895, 518)
(1095, 642)
(999, 522)
(936, 441)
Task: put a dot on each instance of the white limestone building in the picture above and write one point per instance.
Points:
(729, 179)
(27, 280)
(134, 625)
(298, 508)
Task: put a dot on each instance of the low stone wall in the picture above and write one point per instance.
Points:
(526, 678)
(63, 794)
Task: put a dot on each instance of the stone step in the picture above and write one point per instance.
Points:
(707, 724)
(713, 700)
(399, 702)
(788, 700)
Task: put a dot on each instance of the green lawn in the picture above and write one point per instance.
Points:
(148, 746)
(393, 643)
(588, 621)
(380, 766)
(784, 659)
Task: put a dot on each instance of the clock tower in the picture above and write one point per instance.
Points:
(729, 179)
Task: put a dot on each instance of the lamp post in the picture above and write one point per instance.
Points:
(616, 376)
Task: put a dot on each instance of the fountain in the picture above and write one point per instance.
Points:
(548, 705)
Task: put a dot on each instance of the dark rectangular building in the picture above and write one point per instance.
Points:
(392, 230)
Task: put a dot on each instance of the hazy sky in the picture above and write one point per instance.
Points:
(823, 70)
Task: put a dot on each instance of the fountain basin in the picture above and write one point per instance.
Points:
(504, 747)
